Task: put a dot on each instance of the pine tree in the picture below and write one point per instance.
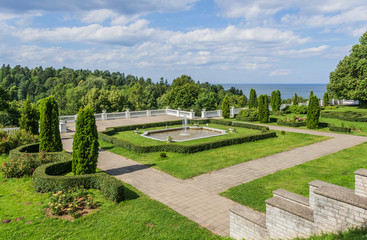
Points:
(295, 99)
(50, 140)
(252, 103)
(278, 101)
(273, 99)
(326, 99)
(263, 109)
(29, 118)
(313, 112)
(85, 144)
(225, 107)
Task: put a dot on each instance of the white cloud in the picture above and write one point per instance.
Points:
(279, 72)
(306, 52)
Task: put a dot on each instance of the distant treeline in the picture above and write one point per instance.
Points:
(103, 90)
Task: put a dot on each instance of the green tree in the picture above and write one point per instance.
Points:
(85, 144)
(278, 101)
(29, 118)
(295, 99)
(273, 98)
(326, 99)
(183, 93)
(252, 103)
(50, 140)
(263, 109)
(225, 107)
(349, 80)
(4, 98)
(313, 112)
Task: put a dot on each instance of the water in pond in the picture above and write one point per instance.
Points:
(184, 133)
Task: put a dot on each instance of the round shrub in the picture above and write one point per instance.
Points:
(163, 155)
(282, 132)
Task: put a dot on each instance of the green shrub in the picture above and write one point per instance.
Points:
(294, 121)
(273, 97)
(346, 116)
(46, 179)
(263, 109)
(163, 155)
(225, 107)
(250, 115)
(14, 140)
(29, 118)
(313, 112)
(50, 140)
(297, 109)
(252, 103)
(339, 129)
(278, 101)
(326, 99)
(85, 143)
(282, 132)
(295, 100)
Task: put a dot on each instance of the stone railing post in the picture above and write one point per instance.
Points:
(231, 114)
(178, 112)
(62, 126)
(127, 113)
(104, 115)
(203, 113)
(219, 113)
(149, 113)
(192, 114)
(167, 109)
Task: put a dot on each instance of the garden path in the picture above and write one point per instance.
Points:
(198, 198)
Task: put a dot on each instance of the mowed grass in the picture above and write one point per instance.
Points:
(186, 166)
(143, 141)
(138, 217)
(337, 168)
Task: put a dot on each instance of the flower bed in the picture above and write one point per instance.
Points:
(294, 121)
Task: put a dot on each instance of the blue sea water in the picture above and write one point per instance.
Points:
(286, 90)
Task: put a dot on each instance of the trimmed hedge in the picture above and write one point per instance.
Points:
(291, 124)
(46, 179)
(34, 150)
(346, 116)
(339, 129)
(106, 136)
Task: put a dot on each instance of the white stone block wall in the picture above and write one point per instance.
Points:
(241, 228)
(361, 182)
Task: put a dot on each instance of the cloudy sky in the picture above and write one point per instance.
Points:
(219, 41)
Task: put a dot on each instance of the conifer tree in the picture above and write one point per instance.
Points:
(326, 99)
(85, 144)
(313, 112)
(252, 103)
(263, 109)
(29, 118)
(225, 107)
(273, 99)
(278, 101)
(50, 140)
(295, 99)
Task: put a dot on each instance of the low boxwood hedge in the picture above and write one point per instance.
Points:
(47, 178)
(33, 149)
(339, 129)
(346, 116)
(290, 124)
(106, 136)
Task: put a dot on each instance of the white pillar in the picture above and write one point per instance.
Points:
(192, 114)
(127, 113)
(149, 113)
(62, 126)
(219, 113)
(167, 109)
(203, 114)
(104, 115)
(178, 112)
(231, 112)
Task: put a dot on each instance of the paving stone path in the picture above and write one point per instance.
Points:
(198, 198)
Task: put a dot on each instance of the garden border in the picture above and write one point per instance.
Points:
(107, 137)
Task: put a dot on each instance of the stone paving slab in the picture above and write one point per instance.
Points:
(198, 198)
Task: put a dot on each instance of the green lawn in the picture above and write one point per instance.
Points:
(143, 141)
(336, 168)
(190, 165)
(138, 217)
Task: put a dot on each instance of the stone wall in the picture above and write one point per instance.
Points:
(330, 208)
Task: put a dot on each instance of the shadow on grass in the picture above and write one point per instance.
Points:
(130, 194)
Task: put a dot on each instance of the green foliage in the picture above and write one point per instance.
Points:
(163, 155)
(249, 115)
(4, 98)
(273, 100)
(14, 140)
(295, 99)
(349, 80)
(47, 179)
(10, 116)
(252, 103)
(339, 129)
(85, 143)
(29, 118)
(183, 93)
(225, 107)
(294, 121)
(326, 99)
(263, 109)
(346, 115)
(50, 140)
(278, 101)
(313, 112)
(296, 109)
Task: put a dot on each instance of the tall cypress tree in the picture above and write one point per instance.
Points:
(252, 103)
(273, 98)
(29, 118)
(326, 99)
(225, 107)
(263, 109)
(313, 112)
(278, 101)
(50, 140)
(85, 144)
(295, 99)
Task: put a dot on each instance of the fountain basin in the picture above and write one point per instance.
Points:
(181, 134)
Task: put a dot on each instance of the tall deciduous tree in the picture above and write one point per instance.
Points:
(85, 144)
(50, 140)
(252, 103)
(29, 118)
(349, 80)
(313, 112)
(225, 107)
(263, 109)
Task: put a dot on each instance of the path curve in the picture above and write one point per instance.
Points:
(198, 198)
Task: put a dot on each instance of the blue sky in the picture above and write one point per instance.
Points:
(219, 41)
